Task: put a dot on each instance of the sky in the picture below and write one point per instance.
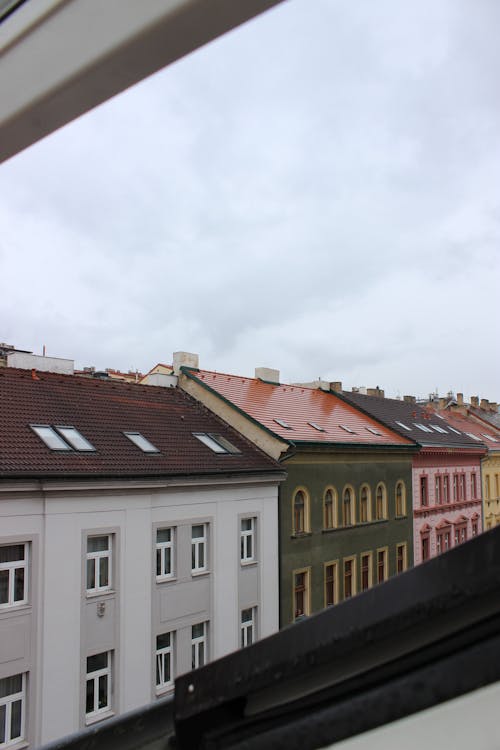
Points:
(316, 191)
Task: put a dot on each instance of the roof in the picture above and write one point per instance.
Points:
(301, 408)
(405, 417)
(488, 435)
(102, 410)
(488, 416)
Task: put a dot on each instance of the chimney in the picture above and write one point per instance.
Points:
(268, 375)
(474, 401)
(378, 392)
(336, 386)
(442, 403)
(184, 359)
(410, 399)
(460, 399)
(493, 407)
(485, 404)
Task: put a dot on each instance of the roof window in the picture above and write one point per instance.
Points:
(316, 426)
(50, 437)
(422, 427)
(216, 443)
(373, 431)
(141, 442)
(347, 429)
(489, 437)
(75, 438)
(457, 432)
(438, 428)
(403, 426)
(474, 437)
(282, 423)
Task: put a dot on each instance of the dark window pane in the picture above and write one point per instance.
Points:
(97, 543)
(164, 535)
(89, 705)
(11, 553)
(163, 641)
(201, 654)
(2, 724)
(158, 562)
(197, 531)
(197, 630)
(103, 571)
(90, 574)
(99, 661)
(249, 546)
(168, 561)
(158, 663)
(15, 720)
(201, 556)
(4, 586)
(11, 685)
(103, 691)
(19, 585)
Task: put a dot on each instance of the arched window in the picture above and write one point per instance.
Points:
(300, 512)
(348, 507)
(400, 499)
(364, 504)
(330, 508)
(381, 502)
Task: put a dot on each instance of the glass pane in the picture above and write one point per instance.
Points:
(193, 557)
(158, 562)
(141, 442)
(96, 662)
(201, 654)
(197, 532)
(193, 657)
(4, 586)
(75, 439)
(90, 574)
(104, 571)
(19, 585)
(163, 641)
(11, 685)
(103, 691)
(89, 703)
(164, 535)
(168, 562)
(158, 666)
(15, 719)
(246, 524)
(197, 631)
(97, 543)
(249, 546)
(2, 724)
(166, 668)
(51, 439)
(12, 553)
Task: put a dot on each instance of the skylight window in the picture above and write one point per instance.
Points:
(489, 437)
(347, 429)
(316, 426)
(141, 442)
(50, 437)
(422, 427)
(216, 443)
(373, 431)
(282, 423)
(457, 432)
(403, 426)
(474, 437)
(438, 428)
(75, 438)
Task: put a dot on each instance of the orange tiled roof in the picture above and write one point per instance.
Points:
(489, 435)
(298, 407)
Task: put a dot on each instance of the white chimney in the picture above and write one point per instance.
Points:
(268, 375)
(184, 359)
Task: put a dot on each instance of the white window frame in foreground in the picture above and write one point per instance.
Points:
(165, 553)
(248, 528)
(248, 626)
(94, 562)
(199, 645)
(199, 549)
(15, 571)
(165, 661)
(94, 680)
(13, 708)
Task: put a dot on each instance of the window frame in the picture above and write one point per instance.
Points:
(306, 572)
(161, 654)
(403, 546)
(8, 701)
(334, 510)
(423, 483)
(196, 642)
(100, 713)
(248, 627)
(385, 515)
(161, 548)
(331, 580)
(352, 506)
(98, 555)
(245, 535)
(369, 555)
(365, 487)
(306, 514)
(196, 544)
(384, 551)
(353, 576)
(400, 483)
(12, 566)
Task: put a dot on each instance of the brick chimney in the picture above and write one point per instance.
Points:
(485, 404)
(493, 407)
(474, 401)
(378, 392)
(460, 399)
(336, 386)
(410, 399)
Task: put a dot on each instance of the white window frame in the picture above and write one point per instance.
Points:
(248, 628)
(162, 548)
(196, 643)
(8, 701)
(94, 678)
(164, 655)
(248, 537)
(196, 544)
(96, 557)
(11, 567)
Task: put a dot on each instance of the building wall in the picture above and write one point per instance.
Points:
(490, 469)
(431, 518)
(64, 624)
(310, 551)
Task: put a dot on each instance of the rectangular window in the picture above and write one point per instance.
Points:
(199, 647)
(381, 565)
(349, 577)
(12, 709)
(331, 584)
(199, 542)
(487, 486)
(473, 486)
(164, 661)
(401, 558)
(475, 526)
(446, 489)
(248, 626)
(300, 593)
(99, 551)
(165, 550)
(461, 487)
(13, 575)
(247, 539)
(423, 491)
(425, 548)
(438, 493)
(98, 696)
(366, 571)
(455, 488)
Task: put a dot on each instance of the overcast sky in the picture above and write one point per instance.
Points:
(317, 191)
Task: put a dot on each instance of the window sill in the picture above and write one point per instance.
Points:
(14, 609)
(96, 594)
(301, 534)
(248, 563)
(198, 573)
(166, 579)
(19, 745)
(161, 692)
(89, 720)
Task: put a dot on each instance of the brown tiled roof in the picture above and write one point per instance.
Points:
(486, 434)
(298, 407)
(101, 411)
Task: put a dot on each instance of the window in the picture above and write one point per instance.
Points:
(99, 550)
(248, 626)
(348, 507)
(347, 429)
(424, 499)
(300, 512)
(460, 534)
(199, 548)
(98, 699)
(164, 661)
(461, 487)
(438, 428)
(199, 646)
(366, 571)
(349, 577)
(282, 423)
(13, 575)
(330, 508)
(446, 489)
(438, 489)
(381, 502)
(316, 426)
(247, 533)
(422, 427)
(50, 437)
(12, 709)
(165, 550)
(331, 584)
(443, 541)
(475, 527)
(374, 431)
(216, 443)
(425, 548)
(400, 499)
(300, 593)
(487, 488)
(75, 439)
(364, 504)
(381, 565)
(401, 557)
(141, 442)
(403, 426)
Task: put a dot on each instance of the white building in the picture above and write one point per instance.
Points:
(138, 539)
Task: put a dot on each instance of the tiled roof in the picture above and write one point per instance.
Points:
(405, 418)
(489, 435)
(300, 408)
(488, 416)
(101, 411)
